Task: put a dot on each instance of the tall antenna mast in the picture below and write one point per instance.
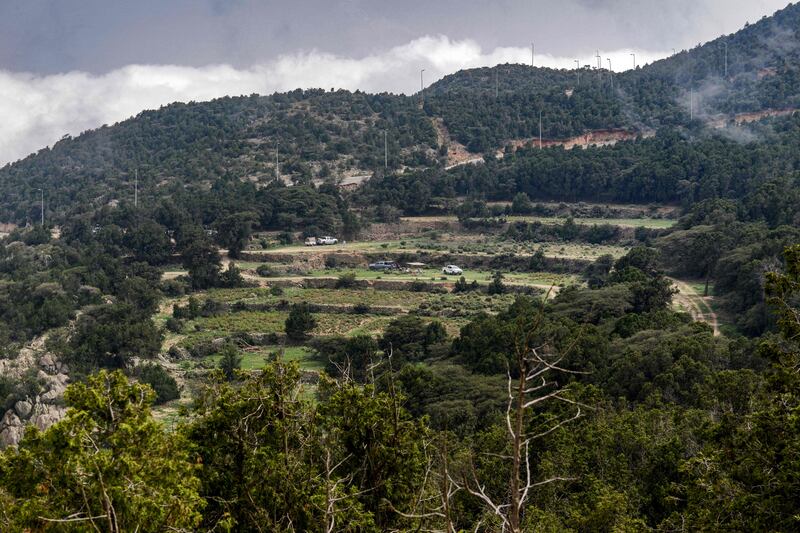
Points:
(610, 73)
(496, 69)
(634, 60)
(421, 86)
(533, 53)
(277, 164)
(578, 70)
(597, 55)
(385, 150)
(136, 189)
(691, 103)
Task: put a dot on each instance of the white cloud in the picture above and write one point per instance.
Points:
(35, 111)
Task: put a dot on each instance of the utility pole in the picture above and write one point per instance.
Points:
(599, 61)
(578, 70)
(496, 69)
(533, 53)
(136, 189)
(610, 73)
(691, 103)
(673, 51)
(634, 60)
(385, 150)
(421, 86)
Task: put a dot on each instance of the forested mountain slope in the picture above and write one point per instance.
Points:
(319, 135)
(483, 108)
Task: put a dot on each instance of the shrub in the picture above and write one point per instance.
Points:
(174, 325)
(497, 286)
(285, 237)
(299, 322)
(265, 271)
(361, 309)
(231, 361)
(346, 281)
(164, 385)
(276, 290)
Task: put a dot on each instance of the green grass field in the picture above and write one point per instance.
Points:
(432, 275)
(257, 359)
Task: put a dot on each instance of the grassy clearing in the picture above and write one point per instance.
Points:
(473, 245)
(431, 275)
(257, 359)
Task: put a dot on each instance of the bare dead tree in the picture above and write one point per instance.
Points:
(532, 383)
(437, 490)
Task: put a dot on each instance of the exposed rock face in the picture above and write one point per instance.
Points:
(11, 429)
(23, 408)
(43, 410)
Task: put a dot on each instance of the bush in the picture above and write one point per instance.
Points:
(299, 322)
(285, 237)
(418, 286)
(346, 281)
(174, 325)
(265, 271)
(173, 288)
(361, 309)
(276, 290)
(231, 361)
(163, 384)
(497, 286)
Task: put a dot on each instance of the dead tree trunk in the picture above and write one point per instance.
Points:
(531, 383)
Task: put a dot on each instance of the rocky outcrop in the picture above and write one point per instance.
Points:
(47, 378)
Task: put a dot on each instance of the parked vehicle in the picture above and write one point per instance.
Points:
(383, 265)
(311, 241)
(327, 239)
(452, 270)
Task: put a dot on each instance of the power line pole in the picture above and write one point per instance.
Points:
(634, 60)
(691, 103)
(533, 53)
(578, 70)
(599, 61)
(421, 86)
(136, 189)
(385, 150)
(496, 69)
(610, 73)
(42, 206)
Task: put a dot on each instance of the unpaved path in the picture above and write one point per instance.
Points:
(695, 304)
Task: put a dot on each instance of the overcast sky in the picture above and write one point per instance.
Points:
(70, 65)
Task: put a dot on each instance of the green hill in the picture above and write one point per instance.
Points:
(320, 135)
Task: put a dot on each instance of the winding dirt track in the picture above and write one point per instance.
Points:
(695, 304)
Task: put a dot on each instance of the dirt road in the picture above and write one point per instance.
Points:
(696, 305)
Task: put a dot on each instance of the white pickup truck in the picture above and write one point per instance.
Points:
(327, 239)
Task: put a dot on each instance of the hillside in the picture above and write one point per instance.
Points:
(485, 108)
(320, 135)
